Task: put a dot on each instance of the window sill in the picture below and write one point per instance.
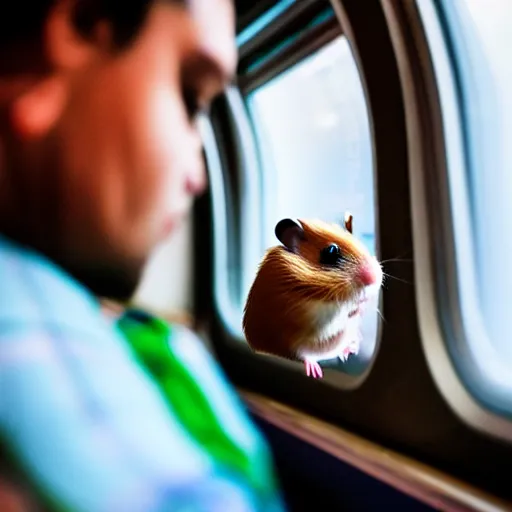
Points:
(410, 477)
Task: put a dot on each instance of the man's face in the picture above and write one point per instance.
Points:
(125, 153)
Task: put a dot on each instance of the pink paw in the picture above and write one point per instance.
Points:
(352, 348)
(313, 369)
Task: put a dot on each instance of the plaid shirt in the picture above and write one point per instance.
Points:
(92, 428)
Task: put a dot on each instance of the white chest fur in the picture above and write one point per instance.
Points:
(331, 320)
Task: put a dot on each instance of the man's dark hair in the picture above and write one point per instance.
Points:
(22, 22)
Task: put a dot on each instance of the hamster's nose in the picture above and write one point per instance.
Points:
(367, 274)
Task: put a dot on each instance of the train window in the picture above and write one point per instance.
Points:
(312, 128)
(477, 36)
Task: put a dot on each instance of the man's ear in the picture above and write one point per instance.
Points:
(35, 111)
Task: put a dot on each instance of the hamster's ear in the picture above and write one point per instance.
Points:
(289, 232)
(349, 222)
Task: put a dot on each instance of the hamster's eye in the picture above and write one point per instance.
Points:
(330, 255)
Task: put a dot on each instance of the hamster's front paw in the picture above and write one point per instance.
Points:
(350, 348)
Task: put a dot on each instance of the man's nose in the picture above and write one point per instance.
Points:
(196, 177)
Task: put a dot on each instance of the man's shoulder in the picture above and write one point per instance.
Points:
(34, 291)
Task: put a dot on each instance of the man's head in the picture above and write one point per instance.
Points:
(99, 151)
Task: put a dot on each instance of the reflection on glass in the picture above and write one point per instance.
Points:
(488, 82)
(314, 137)
(480, 33)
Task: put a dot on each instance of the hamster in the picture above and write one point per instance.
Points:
(308, 296)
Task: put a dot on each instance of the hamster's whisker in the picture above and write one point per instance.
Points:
(399, 258)
(396, 278)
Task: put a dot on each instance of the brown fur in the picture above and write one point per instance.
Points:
(277, 316)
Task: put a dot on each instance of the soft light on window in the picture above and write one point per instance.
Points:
(474, 79)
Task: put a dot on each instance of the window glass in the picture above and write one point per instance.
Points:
(314, 137)
(478, 32)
